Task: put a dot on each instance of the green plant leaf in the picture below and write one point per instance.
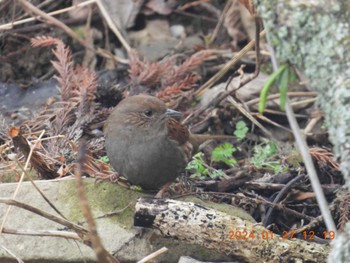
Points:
(241, 130)
(292, 75)
(240, 125)
(223, 153)
(216, 174)
(265, 90)
(136, 188)
(198, 167)
(262, 155)
(283, 87)
(104, 159)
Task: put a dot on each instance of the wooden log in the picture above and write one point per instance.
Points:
(225, 233)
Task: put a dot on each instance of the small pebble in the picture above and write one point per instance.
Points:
(177, 31)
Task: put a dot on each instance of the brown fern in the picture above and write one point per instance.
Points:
(174, 82)
(67, 117)
(186, 68)
(44, 41)
(178, 90)
(63, 65)
(324, 157)
(344, 208)
(148, 74)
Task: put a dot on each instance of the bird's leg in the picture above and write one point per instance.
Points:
(162, 191)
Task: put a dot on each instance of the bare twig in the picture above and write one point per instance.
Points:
(221, 19)
(228, 66)
(81, 231)
(12, 254)
(153, 255)
(50, 19)
(227, 93)
(290, 94)
(31, 8)
(315, 182)
(26, 20)
(305, 153)
(239, 107)
(40, 192)
(42, 233)
(279, 196)
(112, 26)
(101, 253)
(20, 181)
(262, 117)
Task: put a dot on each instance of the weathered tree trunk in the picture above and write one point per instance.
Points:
(232, 235)
(315, 37)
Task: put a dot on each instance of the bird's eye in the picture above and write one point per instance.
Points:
(148, 113)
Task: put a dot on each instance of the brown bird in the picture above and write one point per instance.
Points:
(146, 144)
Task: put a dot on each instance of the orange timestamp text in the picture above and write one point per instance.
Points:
(239, 235)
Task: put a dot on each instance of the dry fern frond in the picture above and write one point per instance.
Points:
(164, 73)
(69, 116)
(136, 66)
(172, 95)
(64, 117)
(145, 73)
(344, 208)
(63, 65)
(186, 67)
(101, 170)
(150, 76)
(142, 72)
(324, 157)
(85, 84)
(77, 86)
(178, 88)
(44, 41)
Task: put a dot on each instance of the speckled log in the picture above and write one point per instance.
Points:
(225, 233)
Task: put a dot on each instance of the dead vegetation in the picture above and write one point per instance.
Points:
(271, 185)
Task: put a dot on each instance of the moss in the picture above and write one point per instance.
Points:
(315, 38)
(104, 197)
(13, 177)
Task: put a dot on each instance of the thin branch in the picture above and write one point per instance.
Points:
(227, 93)
(42, 233)
(20, 181)
(101, 253)
(40, 192)
(227, 66)
(315, 182)
(241, 109)
(279, 196)
(112, 26)
(221, 19)
(153, 255)
(50, 19)
(12, 254)
(80, 230)
(30, 19)
(276, 96)
(305, 153)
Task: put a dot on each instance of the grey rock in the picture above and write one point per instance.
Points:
(192, 260)
(118, 235)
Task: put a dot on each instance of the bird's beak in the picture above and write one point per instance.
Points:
(172, 113)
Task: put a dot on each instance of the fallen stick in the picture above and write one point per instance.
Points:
(225, 233)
